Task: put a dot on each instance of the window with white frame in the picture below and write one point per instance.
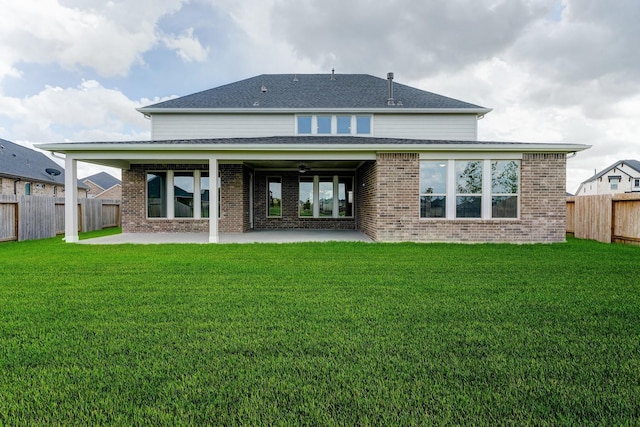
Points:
(469, 188)
(433, 189)
(179, 194)
(613, 182)
(324, 124)
(505, 178)
(636, 183)
(274, 197)
(325, 197)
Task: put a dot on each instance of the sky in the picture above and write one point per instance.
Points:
(563, 71)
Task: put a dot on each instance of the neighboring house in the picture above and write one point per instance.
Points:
(103, 186)
(331, 151)
(621, 177)
(26, 172)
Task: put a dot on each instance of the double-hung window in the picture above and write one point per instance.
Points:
(473, 188)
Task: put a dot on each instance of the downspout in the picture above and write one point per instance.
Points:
(15, 186)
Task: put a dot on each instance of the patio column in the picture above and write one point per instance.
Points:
(71, 200)
(213, 200)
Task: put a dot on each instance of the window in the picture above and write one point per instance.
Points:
(433, 189)
(157, 195)
(325, 197)
(636, 183)
(344, 125)
(324, 125)
(305, 197)
(27, 188)
(469, 189)
(334, 125)
(179, 194)
(504, 189)
(274, 197)
(183, 194)
(614, 183)
(204, 195)
(363, 125)
(304, 125)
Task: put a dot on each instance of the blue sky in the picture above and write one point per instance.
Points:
(552, 70)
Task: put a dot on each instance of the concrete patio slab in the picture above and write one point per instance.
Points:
(263, 236)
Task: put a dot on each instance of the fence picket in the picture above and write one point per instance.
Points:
(38, 217)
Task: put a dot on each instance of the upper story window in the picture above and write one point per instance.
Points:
(636, 183)
(333, 125)
(614, 181)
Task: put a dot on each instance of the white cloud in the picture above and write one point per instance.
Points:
(86, 112)
(186, 46)
(110, 38)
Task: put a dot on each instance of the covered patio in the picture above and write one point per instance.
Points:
(262, 236)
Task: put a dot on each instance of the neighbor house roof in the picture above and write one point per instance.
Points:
(634, 164)
(103, 180)
(20, 162)
(316, 92)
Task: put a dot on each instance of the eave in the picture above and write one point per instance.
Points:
(257, 110)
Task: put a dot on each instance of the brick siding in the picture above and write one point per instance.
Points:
(387, 203)
(234, 215)
(542, 205)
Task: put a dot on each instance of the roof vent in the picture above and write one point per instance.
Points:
(333, 74)
(263, 89)
(390, 100)
(295, 77)
(256, 104)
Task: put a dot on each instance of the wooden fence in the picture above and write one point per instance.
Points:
(605, 218)
(35, 217)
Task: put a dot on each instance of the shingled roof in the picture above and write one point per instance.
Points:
(312, 91)
(103, 180)
(21, 162)
(634, 164)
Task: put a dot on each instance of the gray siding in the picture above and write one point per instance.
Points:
(461, 127)
(194, 126)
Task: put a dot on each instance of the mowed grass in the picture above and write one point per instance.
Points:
(319, 334)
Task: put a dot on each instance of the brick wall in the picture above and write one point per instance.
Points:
(542, 205)
(366, 204)
(290, 196)
(233, 216)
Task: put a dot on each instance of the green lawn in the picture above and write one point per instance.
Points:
(319, 334)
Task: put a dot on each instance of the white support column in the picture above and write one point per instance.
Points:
(213, 200)
(71, 200)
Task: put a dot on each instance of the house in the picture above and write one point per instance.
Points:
(103, 186)
(331, 151)
(26, 172)
(621, 177)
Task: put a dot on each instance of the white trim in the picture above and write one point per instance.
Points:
(106, 151)
(486, 185)
(171, 194)
(71, 200)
